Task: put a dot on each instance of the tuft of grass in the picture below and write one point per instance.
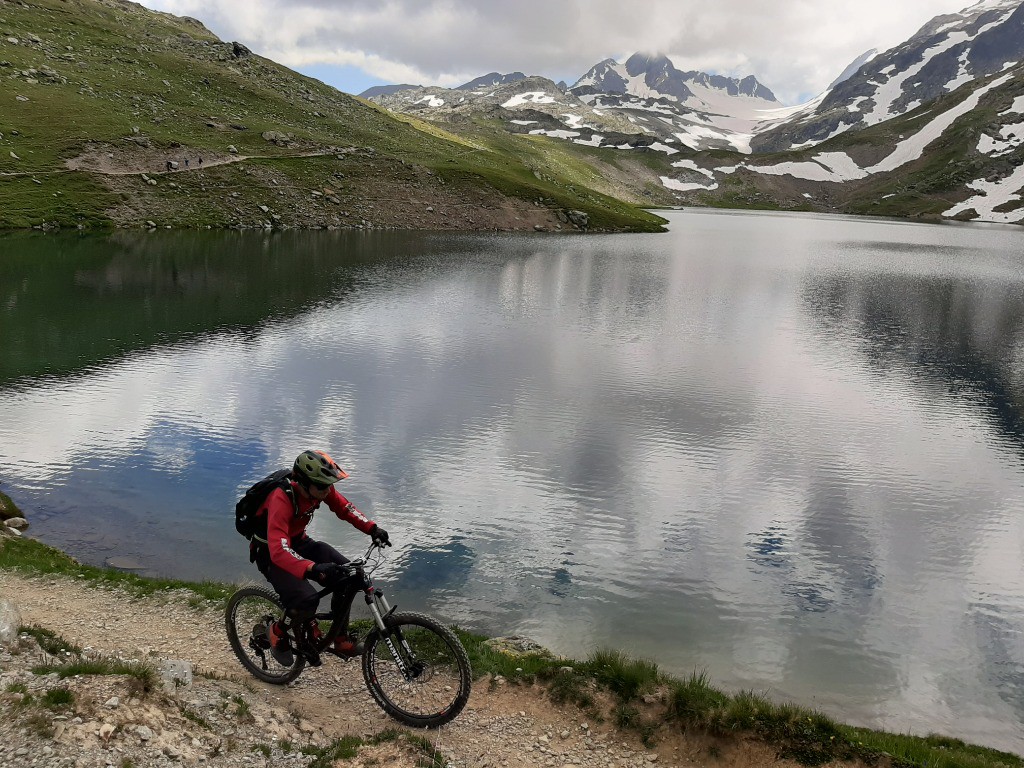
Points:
(58, 698)
(694, 701)
(40, 724)
(50, 642)
(486, 660)
(566, 686)
(242, 709)
(347, 748)
(628, 678)
(16, 688)
(195, 717)
(144, 673)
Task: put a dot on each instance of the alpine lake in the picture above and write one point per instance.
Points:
(784, 449)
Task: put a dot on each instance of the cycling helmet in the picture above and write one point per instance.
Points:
(317, 467)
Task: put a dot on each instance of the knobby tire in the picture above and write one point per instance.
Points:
(440, 684)
(245, 610)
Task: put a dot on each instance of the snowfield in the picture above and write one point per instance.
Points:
(992, 195)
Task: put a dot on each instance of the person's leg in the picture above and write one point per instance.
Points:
(341, 603)
(300, 602)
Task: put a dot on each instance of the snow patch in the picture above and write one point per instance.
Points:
(530, 97)
(1016, 108)
(962, 76)
(689, 164)
(431, 101)
(1010, 137)
(555, 134)
(992, 194)
(685, 186)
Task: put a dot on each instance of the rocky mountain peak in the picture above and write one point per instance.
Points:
(490, 80)
(640, 63)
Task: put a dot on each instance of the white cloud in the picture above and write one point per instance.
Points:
(795, 47)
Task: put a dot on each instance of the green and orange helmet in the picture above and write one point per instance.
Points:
(317, 467)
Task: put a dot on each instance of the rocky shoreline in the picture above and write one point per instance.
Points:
(197, 707)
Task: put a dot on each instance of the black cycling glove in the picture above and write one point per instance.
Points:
(380, 536)
(325, 573)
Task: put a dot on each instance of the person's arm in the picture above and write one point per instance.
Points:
(346, 510)
(279, 515)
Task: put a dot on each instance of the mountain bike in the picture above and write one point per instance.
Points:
(414, 666)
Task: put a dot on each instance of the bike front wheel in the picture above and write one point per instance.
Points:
(417, 671)
(247, 618)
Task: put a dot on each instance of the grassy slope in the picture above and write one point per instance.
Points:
(642, 698)
(107, 73)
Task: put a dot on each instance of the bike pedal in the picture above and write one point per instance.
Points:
(312, 657)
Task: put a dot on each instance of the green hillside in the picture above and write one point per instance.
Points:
(99, 96)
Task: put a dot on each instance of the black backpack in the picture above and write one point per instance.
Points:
(248, 521)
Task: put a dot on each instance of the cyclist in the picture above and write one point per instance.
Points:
(289, 557)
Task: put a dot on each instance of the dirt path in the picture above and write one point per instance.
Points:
(502, 725)
(102, 164)
(153, 166)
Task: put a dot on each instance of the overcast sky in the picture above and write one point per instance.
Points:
(795, 47)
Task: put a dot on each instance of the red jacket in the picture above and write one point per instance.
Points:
(287, 523)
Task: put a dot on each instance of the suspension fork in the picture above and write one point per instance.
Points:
(381, 610)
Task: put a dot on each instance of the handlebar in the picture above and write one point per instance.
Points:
(362, 566)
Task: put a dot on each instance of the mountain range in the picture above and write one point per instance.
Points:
(951, 91)
(107, 103)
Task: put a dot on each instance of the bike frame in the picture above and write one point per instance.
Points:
(379, 609)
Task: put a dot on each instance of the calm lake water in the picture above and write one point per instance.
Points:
(785, 449)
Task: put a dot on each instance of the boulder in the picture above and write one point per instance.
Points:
(176, 674)
(517, 645)
(275, 137)
(10, 621)
(579, 219)
(8, 508)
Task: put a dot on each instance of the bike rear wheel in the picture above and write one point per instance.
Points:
(247, 617)
(435, 683)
